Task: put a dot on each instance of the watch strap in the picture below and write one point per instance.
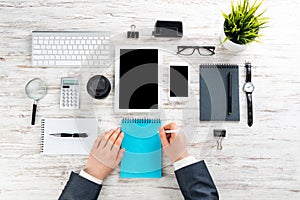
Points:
(250, 109)
(248, 72)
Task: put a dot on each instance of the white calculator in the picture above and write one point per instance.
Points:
(69, 93)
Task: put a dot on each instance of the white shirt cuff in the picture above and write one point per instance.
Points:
(184, 162)
(90, 177)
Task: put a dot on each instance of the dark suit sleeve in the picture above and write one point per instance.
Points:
(195, 182)
(80, 188)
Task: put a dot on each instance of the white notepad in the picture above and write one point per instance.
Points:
(68, 145)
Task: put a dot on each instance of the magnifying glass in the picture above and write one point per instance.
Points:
(35, 89)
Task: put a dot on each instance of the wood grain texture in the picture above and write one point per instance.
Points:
(261, 162)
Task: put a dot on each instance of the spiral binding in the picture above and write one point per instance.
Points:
(219, 65)
(140, 120)
(42, 135)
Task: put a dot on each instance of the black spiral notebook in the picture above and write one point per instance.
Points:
(215, 92)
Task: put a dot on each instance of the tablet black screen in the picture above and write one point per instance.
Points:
(138, 85)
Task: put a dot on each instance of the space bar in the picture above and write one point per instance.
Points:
(68, 62)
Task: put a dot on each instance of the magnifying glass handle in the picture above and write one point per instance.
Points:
(33, 114)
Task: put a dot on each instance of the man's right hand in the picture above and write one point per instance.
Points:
(174, 144)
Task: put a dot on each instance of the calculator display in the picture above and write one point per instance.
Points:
(70, 82)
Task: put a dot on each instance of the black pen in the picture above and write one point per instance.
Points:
(69, 134)
(229, 94)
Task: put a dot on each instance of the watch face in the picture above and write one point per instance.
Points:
(248, 87)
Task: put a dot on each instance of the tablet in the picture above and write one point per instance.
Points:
(137, 79)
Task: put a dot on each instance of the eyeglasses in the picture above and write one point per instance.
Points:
(202, 50)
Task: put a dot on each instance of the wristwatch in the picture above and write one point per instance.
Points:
(248, 89)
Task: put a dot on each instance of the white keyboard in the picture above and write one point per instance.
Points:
(70, 48)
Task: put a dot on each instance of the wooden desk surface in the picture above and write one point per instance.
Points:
(261, 162)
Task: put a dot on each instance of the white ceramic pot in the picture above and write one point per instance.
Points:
(231, 46)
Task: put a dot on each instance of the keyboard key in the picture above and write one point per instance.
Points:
(37, 52)
(68, 62)
(37, 57)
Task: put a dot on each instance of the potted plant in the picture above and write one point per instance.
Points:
(242, 25)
